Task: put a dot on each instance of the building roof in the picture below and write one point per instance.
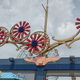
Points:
(65, 63)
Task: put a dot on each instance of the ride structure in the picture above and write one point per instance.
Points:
(38, 43)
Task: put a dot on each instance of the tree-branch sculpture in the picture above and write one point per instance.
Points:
(37, 43)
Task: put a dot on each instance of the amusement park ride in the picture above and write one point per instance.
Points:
(38, 43)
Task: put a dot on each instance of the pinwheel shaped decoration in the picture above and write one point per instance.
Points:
(20, 34)
(37, 42)
(78, 23)
(3, 35)
(20, 31)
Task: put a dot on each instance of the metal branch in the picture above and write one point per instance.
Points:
(13, 44)
(71, 38)
(43, 7)
(65, 41)
(46, 17)
(55, 44)
(76, 34)
(74, 41)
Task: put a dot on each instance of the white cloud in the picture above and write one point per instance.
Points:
(66, 30)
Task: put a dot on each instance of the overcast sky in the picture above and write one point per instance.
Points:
(61, 21)
(62, 15)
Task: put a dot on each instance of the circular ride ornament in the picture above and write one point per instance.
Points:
(77, 23)
(4, 35)
(37, 42)
(19, 32)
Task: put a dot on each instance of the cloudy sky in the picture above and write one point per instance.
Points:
(62, 15)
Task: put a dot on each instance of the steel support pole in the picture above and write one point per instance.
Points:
(40, 74)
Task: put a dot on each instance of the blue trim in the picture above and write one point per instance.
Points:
(40, 74)
(20, 64)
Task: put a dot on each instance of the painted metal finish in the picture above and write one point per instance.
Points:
(20, 64)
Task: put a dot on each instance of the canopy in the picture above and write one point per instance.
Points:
(9, 76)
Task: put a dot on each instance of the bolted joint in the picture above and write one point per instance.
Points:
(72, 58)
(11, 60)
